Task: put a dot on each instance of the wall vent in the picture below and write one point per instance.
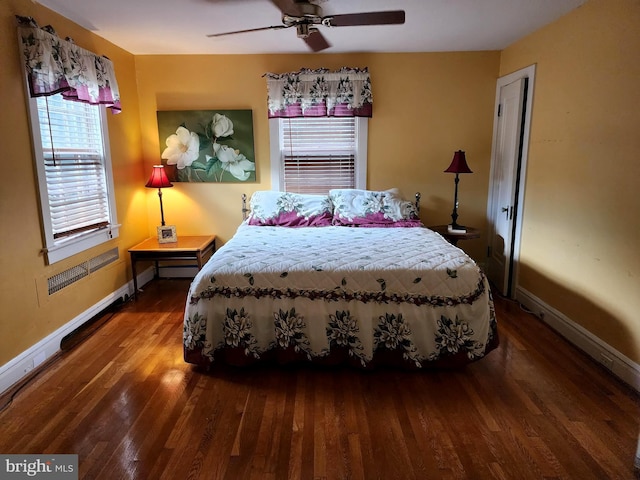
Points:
(102, 260)
(71, 275)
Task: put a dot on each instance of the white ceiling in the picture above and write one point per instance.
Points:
(180, 26)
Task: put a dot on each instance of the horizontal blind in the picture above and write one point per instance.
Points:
(318, 153)
(74, 165)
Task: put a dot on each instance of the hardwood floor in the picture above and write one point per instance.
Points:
(124, 401)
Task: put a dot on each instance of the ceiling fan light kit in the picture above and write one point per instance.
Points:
(306, 16)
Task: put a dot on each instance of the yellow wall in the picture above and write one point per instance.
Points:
(28, 314)
(581, 230)
(425, 106)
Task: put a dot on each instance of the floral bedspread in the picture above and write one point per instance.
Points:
(365, 297)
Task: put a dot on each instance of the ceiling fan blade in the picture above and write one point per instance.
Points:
(316, 41)
(391, 17)
(273, 27)
(287, 7)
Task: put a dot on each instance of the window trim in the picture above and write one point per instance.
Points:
(57, 249)
(277, 162)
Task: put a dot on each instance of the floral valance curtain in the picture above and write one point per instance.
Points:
(316, 93)
(54, 65)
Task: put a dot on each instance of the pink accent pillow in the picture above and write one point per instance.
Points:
(367, 208)
(285, 209)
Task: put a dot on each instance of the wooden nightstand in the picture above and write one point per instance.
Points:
(454, 237)
(186, 248)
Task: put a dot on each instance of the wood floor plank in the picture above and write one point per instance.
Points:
(124, 400)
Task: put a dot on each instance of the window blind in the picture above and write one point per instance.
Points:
(318, 153)
(73, 153)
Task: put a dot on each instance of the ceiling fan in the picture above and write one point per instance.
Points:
(307, 16)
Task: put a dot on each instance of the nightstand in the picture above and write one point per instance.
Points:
(186, 248)
(454, 237)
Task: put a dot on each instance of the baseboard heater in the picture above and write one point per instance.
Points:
(85, 330)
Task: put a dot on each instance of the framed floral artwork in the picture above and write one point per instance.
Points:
(207, 145)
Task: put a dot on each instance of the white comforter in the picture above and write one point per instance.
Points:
(402, 291)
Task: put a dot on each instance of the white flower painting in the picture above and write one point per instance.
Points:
(183, 147)
(207, 145)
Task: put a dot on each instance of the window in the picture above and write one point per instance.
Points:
(74, 175)
(316, 154)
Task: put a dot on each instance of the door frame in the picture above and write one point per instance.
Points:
(528, 73)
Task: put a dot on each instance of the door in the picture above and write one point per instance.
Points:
(509, 152)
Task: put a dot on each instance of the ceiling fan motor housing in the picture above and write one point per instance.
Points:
(307, 14)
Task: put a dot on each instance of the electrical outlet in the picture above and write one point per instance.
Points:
(607, 361)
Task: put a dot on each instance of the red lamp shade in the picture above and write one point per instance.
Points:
(458, 164)
(158, 178)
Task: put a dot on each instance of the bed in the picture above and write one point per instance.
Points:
(349, 278)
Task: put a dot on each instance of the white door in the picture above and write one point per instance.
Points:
(502, 210)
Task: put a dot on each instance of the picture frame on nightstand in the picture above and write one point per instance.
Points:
(167, 234)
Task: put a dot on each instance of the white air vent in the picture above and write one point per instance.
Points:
(71, 275)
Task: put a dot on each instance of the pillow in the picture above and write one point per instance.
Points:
(366, 208)
(272, 208)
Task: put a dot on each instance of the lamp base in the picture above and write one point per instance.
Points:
(455, 228)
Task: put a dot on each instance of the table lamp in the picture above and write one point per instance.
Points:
(159, 180)
(458, 166)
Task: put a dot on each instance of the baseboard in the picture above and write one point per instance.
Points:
(21, 366)
(618, 364)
